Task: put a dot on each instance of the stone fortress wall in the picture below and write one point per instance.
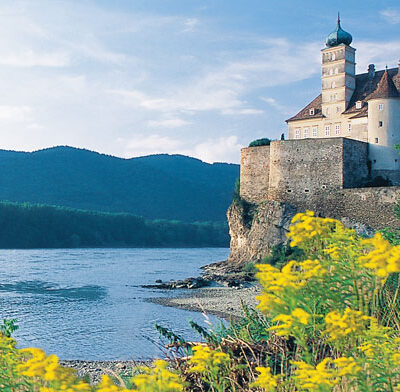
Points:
(323, 175)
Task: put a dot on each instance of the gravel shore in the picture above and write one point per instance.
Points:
(224, 302)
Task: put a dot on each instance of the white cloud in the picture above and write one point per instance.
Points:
(30, 58)
(222, 149)
(276, 105)
(190, 24)
(378, 53)
(391, 15)
(168, 123)
(15, 113)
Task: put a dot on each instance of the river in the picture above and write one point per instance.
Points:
(89, 304)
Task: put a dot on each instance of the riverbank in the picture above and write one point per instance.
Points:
(223, 302)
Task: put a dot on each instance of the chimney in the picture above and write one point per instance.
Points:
(371, 71)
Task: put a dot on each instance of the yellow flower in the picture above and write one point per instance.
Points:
(346, 366)
(158, 378)
(311, 378)
(265, 380)
(207, 360)
(383, 258)
(352, 322)
(291, 324)
(107, 385)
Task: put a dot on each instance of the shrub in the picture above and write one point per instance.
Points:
(260, 142)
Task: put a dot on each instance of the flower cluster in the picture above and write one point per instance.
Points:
(291, 324)
(265, 380)
(383, 258)
(351, 322)
(207, 360)
(158, 378)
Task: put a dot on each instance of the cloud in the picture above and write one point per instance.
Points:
(276, 105)
(190, 24)
(379, 53)
(15, 113)
(30, 58)
(222, 87)
(221, 149)
(168, 123)
(391, 15)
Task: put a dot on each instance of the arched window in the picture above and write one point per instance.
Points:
(333, 56)
(333, 84)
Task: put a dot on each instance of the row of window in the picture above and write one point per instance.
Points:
(314, 131)
(328, 110)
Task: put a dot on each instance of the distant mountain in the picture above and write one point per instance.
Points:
(156, 186)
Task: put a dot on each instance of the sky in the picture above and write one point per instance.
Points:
(196, 77)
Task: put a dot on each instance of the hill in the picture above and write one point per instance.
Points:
(155, 187)
(41, 226)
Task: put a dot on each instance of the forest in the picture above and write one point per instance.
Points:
(25, 225)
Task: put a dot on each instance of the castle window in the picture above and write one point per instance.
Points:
(349, 127)
(312, 112)
(314, 131)
(337, 129)
(376, 140)
(297, 133)
(331, 71)
(306, 190)
(327, 130)
(380, 106)
(333, 84)
(333, 57)
(327, 111)
(337, 109)
(380, 124)
(306, 132)
(336, 71)
(358, 104)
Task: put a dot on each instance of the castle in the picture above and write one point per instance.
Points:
(340, 147)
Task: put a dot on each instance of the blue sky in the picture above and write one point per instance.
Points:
(201, 78)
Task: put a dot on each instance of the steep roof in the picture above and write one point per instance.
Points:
(384, 84)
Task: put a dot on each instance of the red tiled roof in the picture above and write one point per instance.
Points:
(380, 86)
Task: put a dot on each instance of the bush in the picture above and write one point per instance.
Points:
(260, 142)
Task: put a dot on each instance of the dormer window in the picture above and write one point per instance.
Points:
(358, 104)
(311, 112)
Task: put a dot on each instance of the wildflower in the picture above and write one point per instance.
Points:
(292, 323)
(107, 385)
(311, 378)
(384, 258)
(207, 360)
(346, 366)
(352, 322)
(306, 226)
(158, 378)
(265, 380)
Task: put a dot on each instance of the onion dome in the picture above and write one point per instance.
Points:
(338, 37)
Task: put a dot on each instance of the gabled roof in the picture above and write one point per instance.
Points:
(384, 84)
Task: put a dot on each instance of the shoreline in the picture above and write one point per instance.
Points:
(223, 302)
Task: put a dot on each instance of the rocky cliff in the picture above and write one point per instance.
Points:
(256, 228)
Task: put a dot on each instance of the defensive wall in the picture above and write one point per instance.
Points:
(323, 175)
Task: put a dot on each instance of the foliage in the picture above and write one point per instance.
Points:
(8, 327)
(236, 190)
(41, 226)
(156, 187)
(281, 254)
(260, 142)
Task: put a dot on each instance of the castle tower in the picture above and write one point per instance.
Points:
(338, 73)
(384, 129)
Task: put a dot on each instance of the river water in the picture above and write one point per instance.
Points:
(89, 304)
